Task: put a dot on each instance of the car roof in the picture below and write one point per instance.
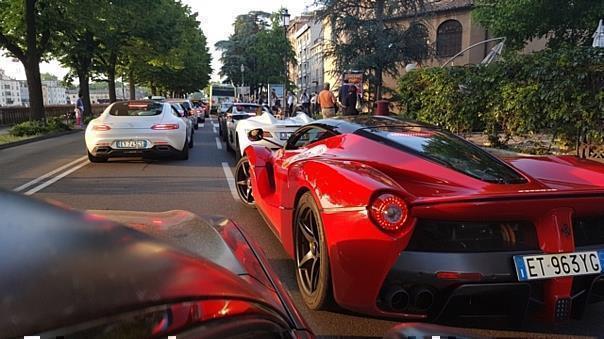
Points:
(61, 267)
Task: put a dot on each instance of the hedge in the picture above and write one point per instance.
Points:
(555, 91)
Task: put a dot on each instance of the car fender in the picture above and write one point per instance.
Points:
(339, 184)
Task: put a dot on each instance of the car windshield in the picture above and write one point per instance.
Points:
(248, 108)
(135, 109)
(446, 149)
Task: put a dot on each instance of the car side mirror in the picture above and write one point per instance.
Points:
(255, 134)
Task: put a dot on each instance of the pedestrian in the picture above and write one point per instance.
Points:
(327, 101)
(79, 110)
(313, 104)
(273, 97)
(291, 100)
(343, 92)
(305, 101)
(350, 101)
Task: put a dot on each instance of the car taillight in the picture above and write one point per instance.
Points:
(389, 212)
(101, 128)
(163, 127)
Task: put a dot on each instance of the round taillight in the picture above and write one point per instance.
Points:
(389, 212)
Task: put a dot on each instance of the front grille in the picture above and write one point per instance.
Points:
(451, 236)
(588, 231)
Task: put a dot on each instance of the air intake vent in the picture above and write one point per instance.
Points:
(588, 231)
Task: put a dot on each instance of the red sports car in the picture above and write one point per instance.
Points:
(400, 219)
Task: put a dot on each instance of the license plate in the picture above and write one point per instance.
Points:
(131, 144)
(531, 267)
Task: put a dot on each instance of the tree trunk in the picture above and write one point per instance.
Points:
(132, 85)
(153, 89)
(34, 85)
(85, 90)
(111, 76)
(378, 84)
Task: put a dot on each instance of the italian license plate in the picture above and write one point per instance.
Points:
(131, 144)
(531, 267)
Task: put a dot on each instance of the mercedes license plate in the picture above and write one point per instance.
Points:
(131, 144)
(531, 267)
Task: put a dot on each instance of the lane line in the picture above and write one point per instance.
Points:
(55, 179)
(230, 180)
(218, 143)
(214, 129)
(44, 176)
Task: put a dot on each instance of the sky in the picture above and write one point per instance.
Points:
(216, 17)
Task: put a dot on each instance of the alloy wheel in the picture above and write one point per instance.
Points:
(244, 182)
(308, 250)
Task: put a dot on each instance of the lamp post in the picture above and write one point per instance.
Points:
(285, 20)
(242, 82)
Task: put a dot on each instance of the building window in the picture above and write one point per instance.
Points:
(448, 38)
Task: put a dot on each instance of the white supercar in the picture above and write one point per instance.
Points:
(274, 129)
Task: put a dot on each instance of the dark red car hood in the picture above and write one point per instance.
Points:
(62, 267)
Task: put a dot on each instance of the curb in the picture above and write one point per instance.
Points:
(38, 138)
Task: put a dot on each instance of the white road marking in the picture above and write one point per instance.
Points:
(55, 179)
(230, 180)
(218, 143)
(37, 180)
(214, 129)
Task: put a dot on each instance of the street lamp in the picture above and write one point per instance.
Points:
(285, 20)
(242, 82)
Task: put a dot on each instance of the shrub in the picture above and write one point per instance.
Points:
(30, 128)
(559, 91)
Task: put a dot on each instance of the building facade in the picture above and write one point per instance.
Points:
(306, 36)
(53, 93)
(10, 91)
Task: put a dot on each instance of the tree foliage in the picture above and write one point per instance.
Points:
(260, 45)
(367, 35)
(560, 91)
(563, 21)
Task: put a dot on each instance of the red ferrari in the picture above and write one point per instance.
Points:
(400, 219)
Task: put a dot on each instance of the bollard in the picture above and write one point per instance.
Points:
(382, 107)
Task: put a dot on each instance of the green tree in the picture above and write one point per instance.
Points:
(26, 31)
(48, 77)
(562, 21)
(367, 35)
(260, 45)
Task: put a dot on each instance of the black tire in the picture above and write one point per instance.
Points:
(237, 149)
(243, 183)
(184, 153)
(228, 144)
(196, 125)
(225, 133)
(92, 158)
(192, 141)
(310, 250)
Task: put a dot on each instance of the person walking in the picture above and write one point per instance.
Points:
(343, 92)
(291, 101)
(350, 101)
(305, 101)
(313, 104)
(328, 102)
(79, 110)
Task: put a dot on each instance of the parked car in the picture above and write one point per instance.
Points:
(400, 219)
(142, 128)
(276, 132)
(196, 113)
(67, 273)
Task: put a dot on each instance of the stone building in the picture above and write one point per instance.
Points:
(10, 91)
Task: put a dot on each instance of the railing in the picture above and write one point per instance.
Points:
(14, 115)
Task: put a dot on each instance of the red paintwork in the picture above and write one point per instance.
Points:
(351, 168)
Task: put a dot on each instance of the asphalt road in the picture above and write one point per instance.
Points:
(200, 186)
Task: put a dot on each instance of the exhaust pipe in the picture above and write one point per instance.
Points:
(397, 299)
(423, 298)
